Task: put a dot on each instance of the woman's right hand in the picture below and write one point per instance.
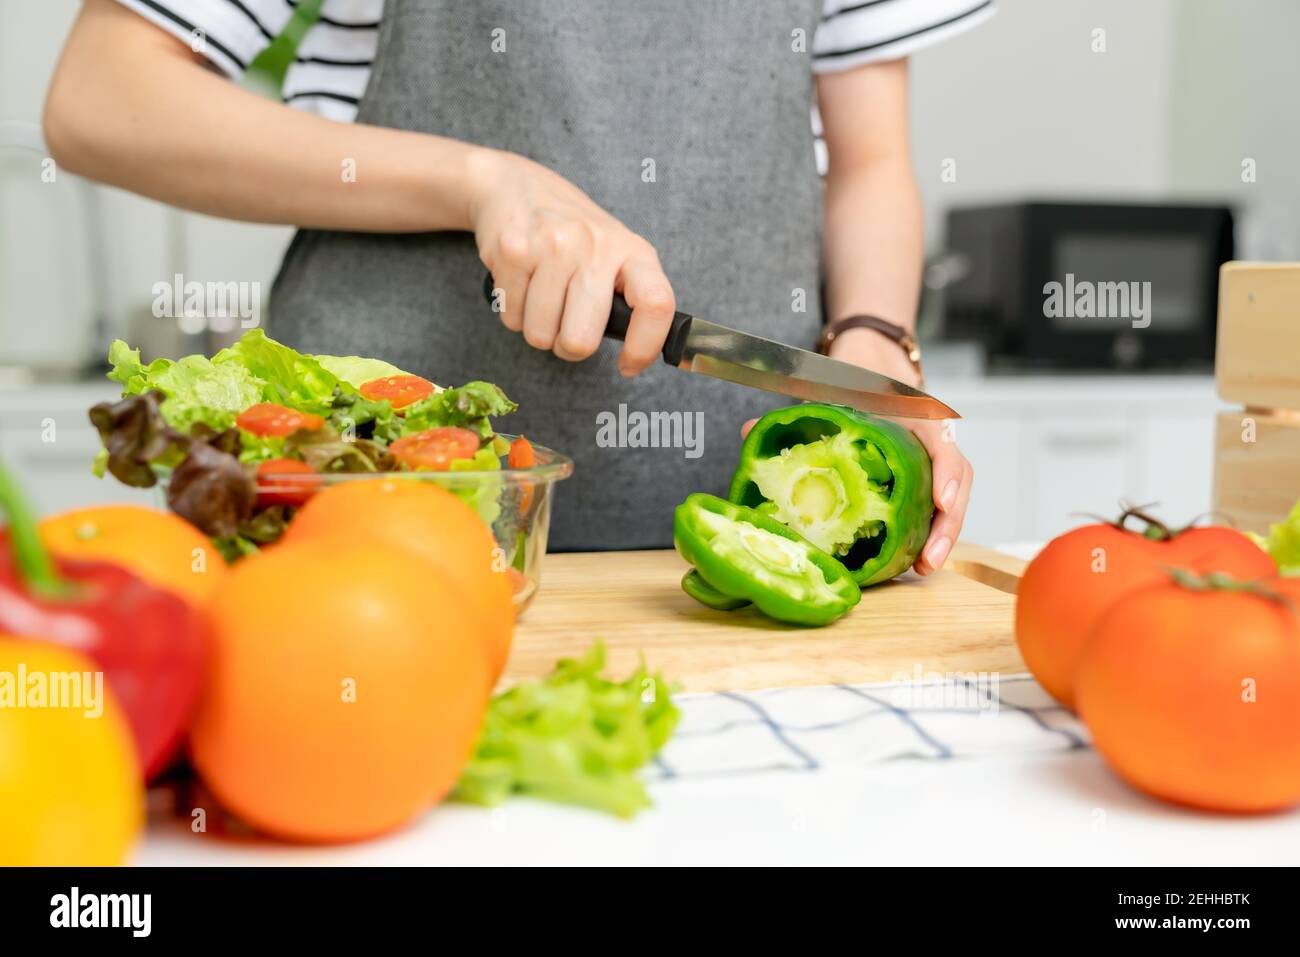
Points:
(557, 259)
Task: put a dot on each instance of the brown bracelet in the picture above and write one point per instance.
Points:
(890, 330)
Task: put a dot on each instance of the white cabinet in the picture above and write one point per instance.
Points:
(1075, 467)
(1176, 463)
(1048, 450)
(993, 444)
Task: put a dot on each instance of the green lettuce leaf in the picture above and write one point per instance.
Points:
(357, 370)
(574, 737)
(353, 414)
(256, 449)
(484, 496)
(128, 370)
(1283, 542)
(196, 388)
(291, 378)
(466, 407)
(325, 450)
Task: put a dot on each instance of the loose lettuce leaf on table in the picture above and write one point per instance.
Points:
(574, 737)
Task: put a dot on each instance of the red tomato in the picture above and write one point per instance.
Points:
(400, 390)
(1193, 695)
(522, 455)
(286, 482)
(435, 449)
(268, 418)
(1081, 574)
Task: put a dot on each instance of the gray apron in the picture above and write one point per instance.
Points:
(712, 92)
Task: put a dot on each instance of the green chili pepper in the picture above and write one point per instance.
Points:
(695, 585)
(744, 554)
(856, 486)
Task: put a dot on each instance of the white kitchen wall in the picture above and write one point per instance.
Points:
(47, 296)
(1236, 63)
(1183, 92)
(1023, 105)
(1026, 108)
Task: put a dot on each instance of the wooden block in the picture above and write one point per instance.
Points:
(1257, 357)
(1256, 482)
(959, 620)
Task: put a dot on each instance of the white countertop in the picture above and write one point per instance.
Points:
(1013, 787)
(1052, 809)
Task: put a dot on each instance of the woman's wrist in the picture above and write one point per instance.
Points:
(481, 172)
(875, 351)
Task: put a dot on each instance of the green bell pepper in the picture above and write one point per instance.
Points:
(856, 486)
(744, 554)
(693, 584)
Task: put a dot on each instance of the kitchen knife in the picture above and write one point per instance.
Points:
(700, 346)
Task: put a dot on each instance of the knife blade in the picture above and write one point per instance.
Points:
(707, 348)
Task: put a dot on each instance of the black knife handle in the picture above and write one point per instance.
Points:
(620, 317)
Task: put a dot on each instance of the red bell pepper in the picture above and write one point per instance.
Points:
(151, 644)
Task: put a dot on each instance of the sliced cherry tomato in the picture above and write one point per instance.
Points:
(522, 455)
(400, 390)
(525, 497)
(268, 418)
(286, 482)
(435, 449)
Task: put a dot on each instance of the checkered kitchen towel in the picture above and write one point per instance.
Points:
(803, 729)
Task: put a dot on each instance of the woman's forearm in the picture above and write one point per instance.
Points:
(132, 106)
(873, 241)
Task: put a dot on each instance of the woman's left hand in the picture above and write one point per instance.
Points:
(953, 474)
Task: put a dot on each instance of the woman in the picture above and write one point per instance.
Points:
(573, 148)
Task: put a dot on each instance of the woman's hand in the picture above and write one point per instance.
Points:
(953, 475)
(557, 259)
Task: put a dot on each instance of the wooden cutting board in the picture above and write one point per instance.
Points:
(956, 620)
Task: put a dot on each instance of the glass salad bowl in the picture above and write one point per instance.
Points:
(515, 503)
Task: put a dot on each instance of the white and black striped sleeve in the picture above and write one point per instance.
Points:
(332, 68)
(855, 32)
(230, 33)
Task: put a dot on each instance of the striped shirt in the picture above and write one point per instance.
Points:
(332, 65)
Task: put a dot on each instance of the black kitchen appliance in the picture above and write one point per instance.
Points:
(1087, 285)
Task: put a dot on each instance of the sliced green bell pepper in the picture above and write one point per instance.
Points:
(856, 486)
(694, 584)
(744, 554)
